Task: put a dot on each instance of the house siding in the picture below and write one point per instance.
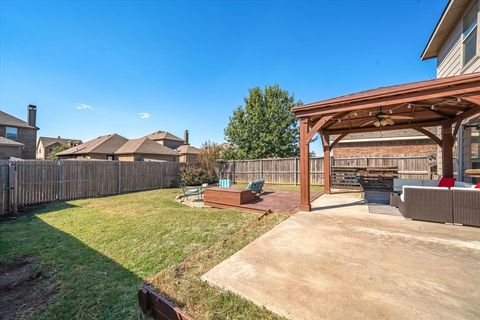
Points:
(449, 60)
(450, 63)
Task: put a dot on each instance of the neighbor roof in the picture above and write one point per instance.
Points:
(145, 146)
(187, 149)
(10, 143)
(48, 141)
(9, 120)
(449, 18)
(104, 145)
(163, 135)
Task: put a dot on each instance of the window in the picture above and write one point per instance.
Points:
(470, 34)
(11, 133)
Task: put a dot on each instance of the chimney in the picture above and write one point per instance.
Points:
(185, 136)
(32, 115)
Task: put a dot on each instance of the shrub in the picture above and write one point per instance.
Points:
(191, 176)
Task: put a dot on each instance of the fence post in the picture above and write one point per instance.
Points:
(58, 174)
(119, 177)
(12, 181)
(296, 170)
(261, 169)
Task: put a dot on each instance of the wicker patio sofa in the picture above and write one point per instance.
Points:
(466, 206)
(458, 205)
(427, 203)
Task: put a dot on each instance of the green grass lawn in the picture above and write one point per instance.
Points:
(99, 251)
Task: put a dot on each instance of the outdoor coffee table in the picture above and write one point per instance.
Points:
(227, 197)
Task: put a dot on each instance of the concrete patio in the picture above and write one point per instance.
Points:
(340, 261)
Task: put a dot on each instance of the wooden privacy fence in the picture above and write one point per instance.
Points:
(27, 182)
(287, 170)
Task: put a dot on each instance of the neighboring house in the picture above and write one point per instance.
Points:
(19, 138)
(144, 149)
(456, 45)
(101, 148)
(167, 139)
(188, 153)
(45, 145)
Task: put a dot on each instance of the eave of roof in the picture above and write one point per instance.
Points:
(450, 16)
(389, 91)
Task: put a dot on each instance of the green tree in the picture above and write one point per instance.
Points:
(264, 127)
(53, 154)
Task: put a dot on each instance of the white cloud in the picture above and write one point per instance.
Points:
(144, 115)
(83, 106)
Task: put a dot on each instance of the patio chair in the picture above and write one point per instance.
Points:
(193, 191)
(255, 186)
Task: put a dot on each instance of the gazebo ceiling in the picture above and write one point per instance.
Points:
(411, 105)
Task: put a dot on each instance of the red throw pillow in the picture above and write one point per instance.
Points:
(477, 186)
(447, 182)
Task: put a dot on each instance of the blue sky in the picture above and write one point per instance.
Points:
(133, 67)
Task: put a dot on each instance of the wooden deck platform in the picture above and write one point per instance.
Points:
(270, 200)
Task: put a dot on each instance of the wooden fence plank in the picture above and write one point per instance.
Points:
(39, 181)
(285, 170)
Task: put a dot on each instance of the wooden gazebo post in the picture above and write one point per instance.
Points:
(447, 150)
(304, 165)
(326, 163)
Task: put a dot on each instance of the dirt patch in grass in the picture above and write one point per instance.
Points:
(24, 288)
(182, 284)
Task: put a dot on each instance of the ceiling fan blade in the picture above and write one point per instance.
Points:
(382, 116)
(401, 117)
(367, 123)
(389, 121)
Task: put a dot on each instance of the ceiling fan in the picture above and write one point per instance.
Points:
(383, 120)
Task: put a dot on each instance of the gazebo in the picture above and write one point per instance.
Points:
(443, 102)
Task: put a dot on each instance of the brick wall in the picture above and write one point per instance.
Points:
(7, 152)
(29, 138)
(385, 148)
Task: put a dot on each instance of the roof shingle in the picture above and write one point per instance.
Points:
(163, 135)
(145, 146)
(9, 120)
(103, 145)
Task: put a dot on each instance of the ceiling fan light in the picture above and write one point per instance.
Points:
(377, 124)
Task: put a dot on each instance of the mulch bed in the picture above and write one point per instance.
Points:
(24, 288)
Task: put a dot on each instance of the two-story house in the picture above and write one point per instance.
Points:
(18, 138)
(187, 152)
(46, 145)
(455, 43)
